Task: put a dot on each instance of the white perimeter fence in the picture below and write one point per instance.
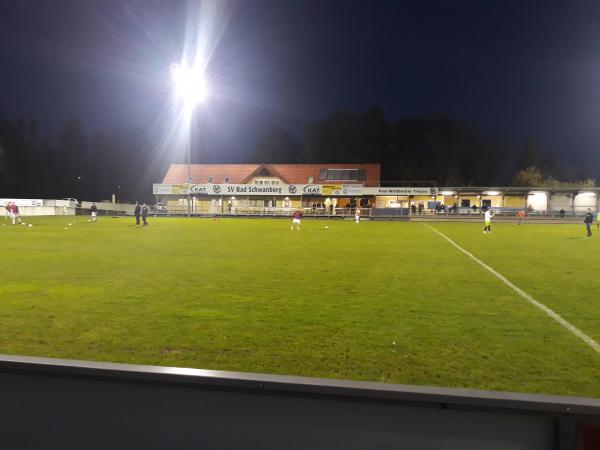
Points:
(64, 207)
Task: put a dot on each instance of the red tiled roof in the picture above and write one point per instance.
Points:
(289, 173)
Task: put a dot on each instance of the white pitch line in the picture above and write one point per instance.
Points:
(572, 328)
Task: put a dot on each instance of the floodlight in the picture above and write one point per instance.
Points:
(189, 84)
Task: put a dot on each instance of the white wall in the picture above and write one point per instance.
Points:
(46, 211)
(108, 206)
(538, 201)
(585, 201)
(561, 201)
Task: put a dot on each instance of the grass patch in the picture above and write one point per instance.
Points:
(378, 301)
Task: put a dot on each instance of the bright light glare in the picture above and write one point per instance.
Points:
(189, 84)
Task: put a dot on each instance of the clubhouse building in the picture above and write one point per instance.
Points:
(341, 188)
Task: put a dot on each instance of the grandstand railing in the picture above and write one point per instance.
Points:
(320, 212)
(265, 211)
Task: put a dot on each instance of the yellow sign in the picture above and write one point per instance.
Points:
(179, 189)
(331, 189)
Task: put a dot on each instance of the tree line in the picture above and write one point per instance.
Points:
(76, 164)
(437, 148)
(425, 148)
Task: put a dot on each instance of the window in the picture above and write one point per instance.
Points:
(226, 180)
(342, 174)
(266, 181)
(310, 180)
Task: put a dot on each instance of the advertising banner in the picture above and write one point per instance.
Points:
(329, 189)
(21, 202)
(400, 191)
(342, 189)
(326, 190)
(237, 189)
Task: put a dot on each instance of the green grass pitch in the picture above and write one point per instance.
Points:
(378, 301)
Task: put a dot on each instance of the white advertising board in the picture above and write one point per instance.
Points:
(22, 201)
(400, 191)
(338, 190)
(237, 189)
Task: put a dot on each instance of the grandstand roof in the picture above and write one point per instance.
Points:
(288, 173)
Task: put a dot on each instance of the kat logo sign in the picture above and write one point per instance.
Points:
(311, 189)
(198, 189)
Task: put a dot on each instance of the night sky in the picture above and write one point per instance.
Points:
(515, 69)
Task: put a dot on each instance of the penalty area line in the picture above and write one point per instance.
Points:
(572, 328)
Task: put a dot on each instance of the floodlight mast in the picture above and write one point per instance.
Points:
(190, 89)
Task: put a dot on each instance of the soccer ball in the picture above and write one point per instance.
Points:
(30, 225)
(70, 224)
(23, 223)
(326, 227)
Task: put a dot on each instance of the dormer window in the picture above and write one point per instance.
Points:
(343, 174)
(210, 179)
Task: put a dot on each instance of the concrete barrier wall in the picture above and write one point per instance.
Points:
(46, 211)
(108, 206)
(62, 404)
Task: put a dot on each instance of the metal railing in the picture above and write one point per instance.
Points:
(264, 211)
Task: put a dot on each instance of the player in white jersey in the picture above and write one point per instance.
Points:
(487, 217)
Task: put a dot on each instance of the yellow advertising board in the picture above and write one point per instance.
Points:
(331, 189)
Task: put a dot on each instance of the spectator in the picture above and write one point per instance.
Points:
(589, 218)
(145, 214)
(136, 212)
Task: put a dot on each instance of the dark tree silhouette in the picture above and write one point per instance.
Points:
(93, 166)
